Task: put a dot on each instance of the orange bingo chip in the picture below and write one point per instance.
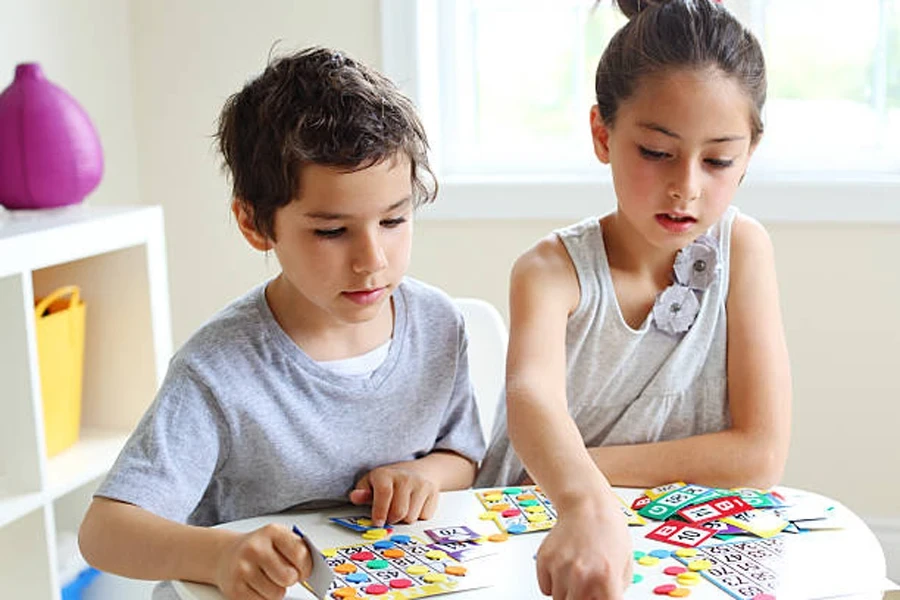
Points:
(393, 553)
(345, 592)
(345, 568)
(498, 537)
(457, 570)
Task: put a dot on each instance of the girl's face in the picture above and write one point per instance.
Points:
(678, 149)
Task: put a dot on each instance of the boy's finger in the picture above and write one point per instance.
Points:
(400, 502)
(358, 497)
(382, 496)
(430, 507)
(416, 505)
(295, 553)
(260, 583)
(246, 592)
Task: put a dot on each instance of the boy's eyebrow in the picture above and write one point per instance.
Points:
(672, 134)
(330, 216)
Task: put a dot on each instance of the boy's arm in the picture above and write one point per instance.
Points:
(127, 540)
(753, 450)
(544, 291)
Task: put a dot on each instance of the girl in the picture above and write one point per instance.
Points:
(647, 346)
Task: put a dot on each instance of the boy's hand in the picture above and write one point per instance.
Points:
(262, 564)
(584, 562)
(397, 493)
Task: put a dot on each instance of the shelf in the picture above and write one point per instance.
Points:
(13, 507)
(35, 239)
(116, 256)
(88, 459)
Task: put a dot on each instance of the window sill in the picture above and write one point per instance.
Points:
(770, 199)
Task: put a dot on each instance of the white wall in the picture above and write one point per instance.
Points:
(189, 57)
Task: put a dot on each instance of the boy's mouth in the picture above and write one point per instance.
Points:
(366, 296)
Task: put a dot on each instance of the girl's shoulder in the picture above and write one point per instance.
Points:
(749, 240)
(545, 273)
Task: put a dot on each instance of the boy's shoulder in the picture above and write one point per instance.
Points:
(239, 323)
(426, 300)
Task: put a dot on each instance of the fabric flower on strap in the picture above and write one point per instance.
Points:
(696, 268)
(697, 265)
(675, 309)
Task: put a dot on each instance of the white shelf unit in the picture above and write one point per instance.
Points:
(116, 255)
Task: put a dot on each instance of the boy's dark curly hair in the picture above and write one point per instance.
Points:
(316, 106)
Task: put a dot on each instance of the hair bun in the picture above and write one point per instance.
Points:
(632, 7)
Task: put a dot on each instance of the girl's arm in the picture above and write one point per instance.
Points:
(752, 452)
(543, 292)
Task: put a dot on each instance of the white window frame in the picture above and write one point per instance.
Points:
(409, 34)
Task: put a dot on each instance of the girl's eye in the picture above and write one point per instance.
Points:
(391, 223)
(653, 154)
(329, 233)
(719, 163)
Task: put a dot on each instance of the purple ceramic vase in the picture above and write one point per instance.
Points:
(50, 154)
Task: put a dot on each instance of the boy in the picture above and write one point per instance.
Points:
(339, 379)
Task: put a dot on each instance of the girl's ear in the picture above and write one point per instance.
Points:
(600, 135)
(244, 217)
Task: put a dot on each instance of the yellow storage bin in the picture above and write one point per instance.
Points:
(59, 322)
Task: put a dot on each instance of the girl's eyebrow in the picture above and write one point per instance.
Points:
(717, 140)
(330, 216)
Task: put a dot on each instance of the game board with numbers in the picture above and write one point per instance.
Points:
(518, 509)
(399, 567)
(744, 570)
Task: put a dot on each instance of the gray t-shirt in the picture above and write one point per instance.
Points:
(246, 423)
(632, 386)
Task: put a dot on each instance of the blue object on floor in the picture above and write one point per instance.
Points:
(76, 587)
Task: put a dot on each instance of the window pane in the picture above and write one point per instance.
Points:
(531, 81)
(517, 94)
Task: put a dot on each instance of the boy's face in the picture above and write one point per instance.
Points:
(344, 244)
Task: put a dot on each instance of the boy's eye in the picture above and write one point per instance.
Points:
(653, 154)
(330, 233)
(390, 223)
(719, 163)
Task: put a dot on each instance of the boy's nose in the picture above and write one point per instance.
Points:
(369, 256)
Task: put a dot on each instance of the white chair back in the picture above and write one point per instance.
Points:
(487, 356)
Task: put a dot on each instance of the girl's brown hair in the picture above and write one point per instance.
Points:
(662, 35)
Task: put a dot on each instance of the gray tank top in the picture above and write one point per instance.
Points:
(632, 386)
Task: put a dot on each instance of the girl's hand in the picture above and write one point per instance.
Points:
(586, 556)
(262, 564)
(397, 494)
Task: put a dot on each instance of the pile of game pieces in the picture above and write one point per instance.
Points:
(692, 514)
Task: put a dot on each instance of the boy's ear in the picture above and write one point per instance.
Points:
(599, 135)
(244, 217)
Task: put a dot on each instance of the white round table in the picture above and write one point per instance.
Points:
(815, 564)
